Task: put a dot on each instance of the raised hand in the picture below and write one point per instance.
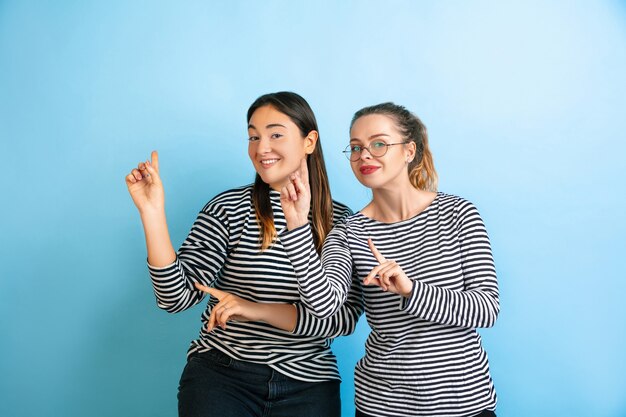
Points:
(295, 198)
(230, 307)
(388, 275)
(145, 186)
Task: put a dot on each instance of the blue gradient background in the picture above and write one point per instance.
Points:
(525, 104)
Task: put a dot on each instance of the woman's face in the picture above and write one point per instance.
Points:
(377, 131)
(276, 147)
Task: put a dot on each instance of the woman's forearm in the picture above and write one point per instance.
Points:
(281, 316)
(158, 241)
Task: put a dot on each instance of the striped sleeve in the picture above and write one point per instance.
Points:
(323, 290)
(341, 323)
(199, 259)
(477, 305)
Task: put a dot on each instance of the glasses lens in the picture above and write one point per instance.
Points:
(378, 148)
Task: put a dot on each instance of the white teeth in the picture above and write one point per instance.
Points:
(269, 161)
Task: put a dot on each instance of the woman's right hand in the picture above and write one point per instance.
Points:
(388, 275)
(295, 198)
(145, 186)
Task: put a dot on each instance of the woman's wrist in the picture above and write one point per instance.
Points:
(296, 223)
(152, 213)
(408, 291)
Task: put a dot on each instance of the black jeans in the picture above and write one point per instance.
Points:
(214, 384)
(484, 413)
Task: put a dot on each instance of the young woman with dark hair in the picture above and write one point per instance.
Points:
(259, 352)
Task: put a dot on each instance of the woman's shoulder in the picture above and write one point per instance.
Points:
(456, 207)
(230, 200)
(340, 212)
(452, 200)
(355, 220)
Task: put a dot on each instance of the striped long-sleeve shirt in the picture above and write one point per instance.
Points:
(223, 250)
(423, 356)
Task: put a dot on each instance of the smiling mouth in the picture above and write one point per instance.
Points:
(266, 163)
(368, 169)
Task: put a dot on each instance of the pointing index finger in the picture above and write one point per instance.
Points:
(304, 171)
(155, 160)
(219, 294)
(379, 257)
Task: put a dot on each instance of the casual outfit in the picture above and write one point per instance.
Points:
(223, 251)
(423, 356)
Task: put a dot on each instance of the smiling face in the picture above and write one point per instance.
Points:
(276, 145)
(377, 131)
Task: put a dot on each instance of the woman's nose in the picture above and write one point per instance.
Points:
(364, 156)
(264, 145)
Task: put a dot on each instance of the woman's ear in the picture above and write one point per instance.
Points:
(310, 141)
(410, 151)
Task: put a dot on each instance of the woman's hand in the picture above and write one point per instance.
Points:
(388, 275)
(295, 198)
(230, 307)
(145, 186)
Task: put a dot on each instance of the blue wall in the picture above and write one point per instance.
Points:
(525, 104)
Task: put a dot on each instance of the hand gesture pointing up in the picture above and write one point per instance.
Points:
(388, 275)
(145, 186)
(295, 198)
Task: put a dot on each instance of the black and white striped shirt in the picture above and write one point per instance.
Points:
(223, 250)
(423, 356)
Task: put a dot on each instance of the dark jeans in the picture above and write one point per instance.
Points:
(213, 384)
(484, 413)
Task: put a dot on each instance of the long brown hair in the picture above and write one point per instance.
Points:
(421, 169)
(299, 111)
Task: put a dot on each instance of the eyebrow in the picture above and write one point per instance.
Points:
(372, 137)
(251, 126)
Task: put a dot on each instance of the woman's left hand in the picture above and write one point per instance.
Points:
(388, 275)
(295, 198)
(230, 307)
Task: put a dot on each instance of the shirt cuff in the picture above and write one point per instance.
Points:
(286, 235)
(296, 241)
(412, 302)
(303, 320)
(162, 269)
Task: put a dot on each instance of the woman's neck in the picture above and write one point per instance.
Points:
(398, 203)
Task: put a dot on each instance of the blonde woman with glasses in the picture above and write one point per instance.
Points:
(424, 262)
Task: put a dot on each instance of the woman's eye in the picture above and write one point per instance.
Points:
(355, 148)
(253, 138)
(378, 145)
(276, 136)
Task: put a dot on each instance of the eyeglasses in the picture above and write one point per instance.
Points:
(376, 149)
